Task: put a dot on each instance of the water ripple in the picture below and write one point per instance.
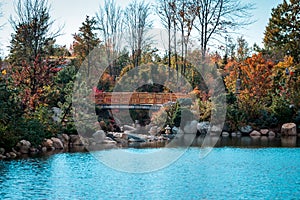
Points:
(227, 173)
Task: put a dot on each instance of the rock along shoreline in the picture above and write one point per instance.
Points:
(142, 137)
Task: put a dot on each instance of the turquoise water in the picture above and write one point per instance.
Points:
(226, 173)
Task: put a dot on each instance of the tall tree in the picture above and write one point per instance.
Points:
(85, 41)
(282, 34)
(185, 14)
(33, 35)
(217, 17)
(138, 24)
(242, 49)
(109, 20)
(165, 13)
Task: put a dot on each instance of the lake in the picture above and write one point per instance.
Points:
(225, 173)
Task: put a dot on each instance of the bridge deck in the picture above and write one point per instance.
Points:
(136, 100)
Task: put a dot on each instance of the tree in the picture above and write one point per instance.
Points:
(33, 83)
(255, 74)
(217, 17)
(242, 49)
(138, 24)
(33, 36)
(165, 13)
(59, 51)
(64, 85)
(85, 41)
(109, 20)
(185, 14)
(282, 34)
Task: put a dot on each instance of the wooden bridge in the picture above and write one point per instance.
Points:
(135, 100)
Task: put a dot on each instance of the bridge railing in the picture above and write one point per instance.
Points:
(129, 98)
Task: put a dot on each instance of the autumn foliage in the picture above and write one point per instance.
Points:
(256, 81)
(33, 82)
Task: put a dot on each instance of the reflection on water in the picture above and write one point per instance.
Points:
(257, 142)
(241, 142)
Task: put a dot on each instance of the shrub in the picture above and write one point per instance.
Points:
(182, 116)
(33, 131)
(281, 109)
(164, 116)
(265, 120)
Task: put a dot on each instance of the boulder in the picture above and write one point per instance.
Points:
(33, 150)
(271, 134)
(225, 134)
(124, 136)
(264, 131)
(75, 140)
(121, 140)
(47, 143)
(191, 128)
(246, 129)
(12, 154)
(2, 157)
(2, 151)
(135, 138)
(175, 130)
(84, 141)
(203, 127)
(108, 140)
(148, 127)
(92, 141)
(153, 130)
(44, 149)
(255, 133)
(233, 134)
(238, 133)
(24, 146)
(215, 130)
(57, 143)
(65, 139)
(15, 151)
(99, 136)
(128, 128)
(289, 129)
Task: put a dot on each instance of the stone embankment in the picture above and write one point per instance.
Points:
(138, 134)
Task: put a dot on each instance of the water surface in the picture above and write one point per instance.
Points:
(226, 173)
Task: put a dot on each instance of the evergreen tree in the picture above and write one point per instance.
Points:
(282, 34)
(243, 50)
(86, 40)
(32, 37)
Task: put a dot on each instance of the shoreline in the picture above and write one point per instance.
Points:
(222, 142)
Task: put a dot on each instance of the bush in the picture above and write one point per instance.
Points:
(182, 116)
(8, 137)
(33, 131)
(297, 119)
(235, 117)
(265, 120)
(281, 109)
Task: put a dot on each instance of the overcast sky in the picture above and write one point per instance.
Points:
(71, 14)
